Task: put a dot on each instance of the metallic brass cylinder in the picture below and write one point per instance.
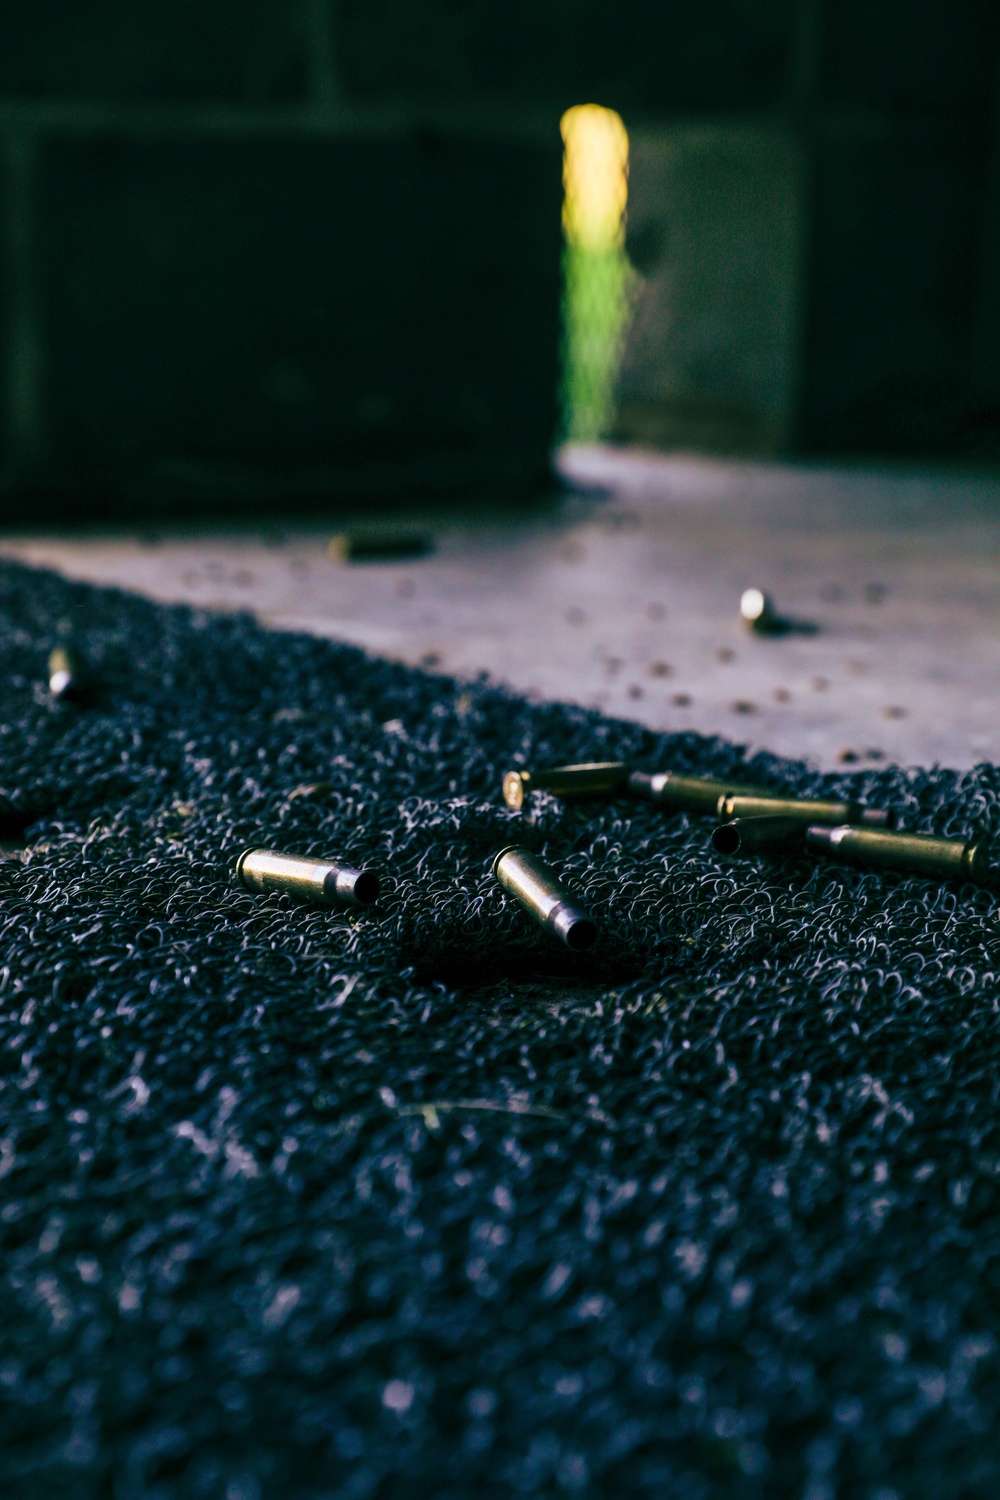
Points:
(67, 674)
(318, 880)
(758, 612)
(806, 810)
(596, 779)
(914, 853)
(537, 887)
(689, 793)
(745, 835)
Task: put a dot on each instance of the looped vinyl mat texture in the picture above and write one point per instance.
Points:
(303, 1203)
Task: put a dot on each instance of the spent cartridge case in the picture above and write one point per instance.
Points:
(914, 853)
(806, 810)
(689, 793)
(378, 546)
(758, 612)
(319, 880)
(539, 889)
(745, 835)
(67, 674)
(595, 779)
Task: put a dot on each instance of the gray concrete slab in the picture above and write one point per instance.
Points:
(626, 597)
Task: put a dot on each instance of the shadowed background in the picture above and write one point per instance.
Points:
(268, 253)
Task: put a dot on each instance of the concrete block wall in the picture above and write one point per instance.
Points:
(822, 275)
(715, 234)
(647, 58)
(228, 281)
(273, 251)
(903, 149)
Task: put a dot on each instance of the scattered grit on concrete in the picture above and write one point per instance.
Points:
(303, 1204)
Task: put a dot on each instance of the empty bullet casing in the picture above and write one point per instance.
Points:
(806, 810)
(744, 835)
(599, 778)
(758, 612)
(689, 793)
(67, 673)
(319, 880)
(378, 546)
(915, 853)
(538, 888)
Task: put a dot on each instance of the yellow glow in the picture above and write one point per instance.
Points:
(595, 176)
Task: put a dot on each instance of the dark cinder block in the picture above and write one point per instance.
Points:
(986, 340)
(249, 317)
(893, 275)
(647, 56)
(714, 238)
(7, 437)
(917, 55)
(238, 51)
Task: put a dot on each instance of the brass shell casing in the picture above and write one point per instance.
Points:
(805, 810)
(913, 853)
(595, 779)
(745, 835)
(385, 545)
(733, 799)
(318, 880)
(689, 793)
(67, 673)
(538, 888)
(757, 612)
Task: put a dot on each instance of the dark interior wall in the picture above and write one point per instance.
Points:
(253, 249)
(641, 58)
(984, 423)
(886, 113)
(173, 51)
(900, 131)
(297, 312)
(715, 231)
(225, 279)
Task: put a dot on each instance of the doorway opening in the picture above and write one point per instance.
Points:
(595, 268)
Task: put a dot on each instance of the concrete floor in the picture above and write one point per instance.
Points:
(625, 596)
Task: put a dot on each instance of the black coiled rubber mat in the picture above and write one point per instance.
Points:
(302, 1204)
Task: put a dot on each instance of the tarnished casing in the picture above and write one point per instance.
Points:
(689, 793)
(806, 810)
(595, 779)
(733, 799)
(744, 835)
(538, 888)
(916, 853)
(319, 880)
(67, 673)
(757, 612)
